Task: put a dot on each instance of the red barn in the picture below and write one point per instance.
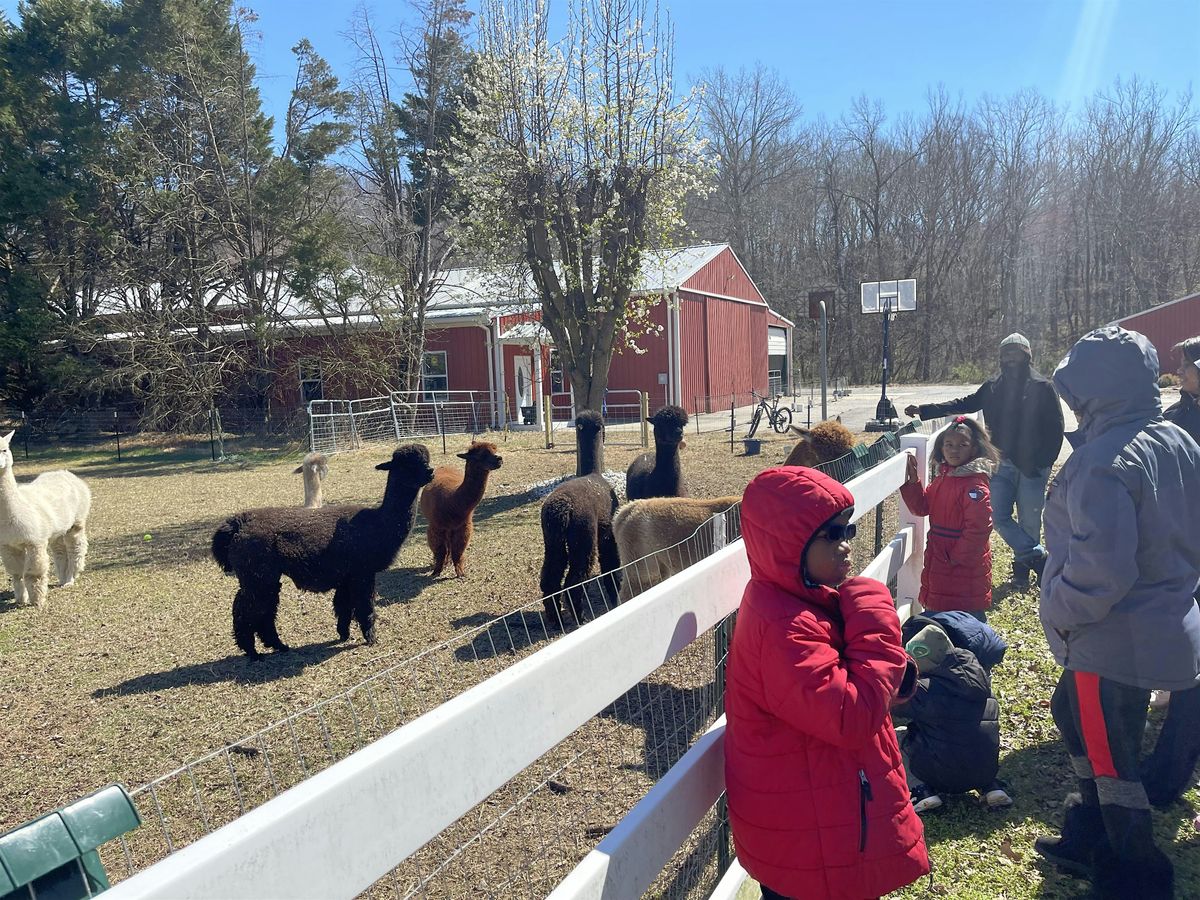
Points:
(1166, 325)
(715, 340)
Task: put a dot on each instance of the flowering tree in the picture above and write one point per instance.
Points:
(577, 156)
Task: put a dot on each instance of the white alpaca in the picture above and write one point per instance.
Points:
(47, 517)
(314, 468)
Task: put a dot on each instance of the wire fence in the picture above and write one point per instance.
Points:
(113, 429)
(338, 425)
(621, 410)
(526, 837)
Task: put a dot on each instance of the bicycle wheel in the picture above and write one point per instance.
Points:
(754, 420)
(783, 420)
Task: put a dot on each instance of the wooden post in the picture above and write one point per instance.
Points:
(645, 416)
(117, 431)
(547, 418)
(732, 420)
(908, 579)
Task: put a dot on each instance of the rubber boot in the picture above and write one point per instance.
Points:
(1129, 866)
(1082, 832)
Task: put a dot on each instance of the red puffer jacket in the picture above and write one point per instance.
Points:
(958, 561)
(816, 791)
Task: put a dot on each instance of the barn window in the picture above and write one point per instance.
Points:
(311, 386)
(435, 382)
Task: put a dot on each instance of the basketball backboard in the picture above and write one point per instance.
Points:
(897, 296)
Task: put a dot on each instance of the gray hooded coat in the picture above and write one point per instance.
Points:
(1121, 519)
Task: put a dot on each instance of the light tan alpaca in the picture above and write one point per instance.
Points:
(824, 442)
(645, 529)
(314, 469)
(43, 519)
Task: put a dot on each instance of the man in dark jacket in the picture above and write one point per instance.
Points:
(1025, 419)
(1116, 601)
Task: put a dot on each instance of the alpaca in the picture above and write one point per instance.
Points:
(314, 468)
(43, 519)
(448, 504)
(824, 442)
(660, 474)
(645, 529)
(338, 548)
(577, 523)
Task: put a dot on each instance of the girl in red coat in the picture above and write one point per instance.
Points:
(816, 792)
(958, 560)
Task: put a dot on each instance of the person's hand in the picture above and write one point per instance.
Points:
(910, 471)
(912, 411)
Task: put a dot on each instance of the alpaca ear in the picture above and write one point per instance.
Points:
(838, 419)
(299, 470)
(463, 455)
(7, 439)
(385, 466)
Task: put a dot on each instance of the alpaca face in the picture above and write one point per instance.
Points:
(411, 464)
(669, 424)
(6, 459)
(483, 454)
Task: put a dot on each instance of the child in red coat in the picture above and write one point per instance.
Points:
(817, 796)
(958, 560)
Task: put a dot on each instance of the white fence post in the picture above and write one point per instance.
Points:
(908, 581)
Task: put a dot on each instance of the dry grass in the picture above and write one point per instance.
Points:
(133, 671)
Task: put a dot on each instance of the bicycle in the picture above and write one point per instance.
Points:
(780, 417)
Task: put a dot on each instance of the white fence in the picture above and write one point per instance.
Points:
(337, 833)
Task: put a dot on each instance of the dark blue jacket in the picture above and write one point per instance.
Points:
(965, 631)
(1121, 521)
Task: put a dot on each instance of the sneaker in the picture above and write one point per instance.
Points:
(1159, 699)
(996, 797)
(924, 800)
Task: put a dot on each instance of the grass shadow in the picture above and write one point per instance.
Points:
(168, 545)
(237, 668)
(402, 585)
(670, 718)
(505, 635)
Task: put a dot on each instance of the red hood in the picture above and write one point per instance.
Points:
(782, 509)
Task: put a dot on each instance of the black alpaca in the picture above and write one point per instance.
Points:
(660, 474)
(577, 523)
(338, 548)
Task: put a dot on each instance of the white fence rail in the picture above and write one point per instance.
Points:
(340, 831)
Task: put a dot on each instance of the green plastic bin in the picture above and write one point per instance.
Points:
(55, 857)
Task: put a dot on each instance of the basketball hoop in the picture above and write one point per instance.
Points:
(888, 298)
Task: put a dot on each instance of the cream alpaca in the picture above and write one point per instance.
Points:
(314, 468)
(43, 519)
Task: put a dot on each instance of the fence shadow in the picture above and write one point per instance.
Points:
(236, 667)
(505, 635)
(670, 718)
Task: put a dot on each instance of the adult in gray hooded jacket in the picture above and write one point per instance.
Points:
(1116, 600)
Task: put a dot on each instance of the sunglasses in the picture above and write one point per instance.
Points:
(838, 533)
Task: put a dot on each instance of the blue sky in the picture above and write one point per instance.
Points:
(830, 52)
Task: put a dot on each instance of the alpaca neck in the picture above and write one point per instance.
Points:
(8, 486)
(666, 457)
(474, 483)
(312, 489)
(398, 498)
(590, 458)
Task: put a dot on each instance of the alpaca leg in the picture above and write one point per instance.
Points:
(364, 608)
(77, 549)
(245, 617)
(268, 610)
(14, 565)
(343, 608)
(610, 560)
(58, 555)
(37, 570)
(581, 554)
(554, 565)
(440, 548)
(459, 538)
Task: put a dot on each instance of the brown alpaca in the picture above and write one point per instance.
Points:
(448, 504)
(824, 442)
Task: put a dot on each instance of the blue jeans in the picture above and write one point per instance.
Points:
(1011, 488)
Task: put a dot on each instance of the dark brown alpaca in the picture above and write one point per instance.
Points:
(448, 504)
(577, 524)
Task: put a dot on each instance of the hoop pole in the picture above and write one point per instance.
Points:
(824, 362)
